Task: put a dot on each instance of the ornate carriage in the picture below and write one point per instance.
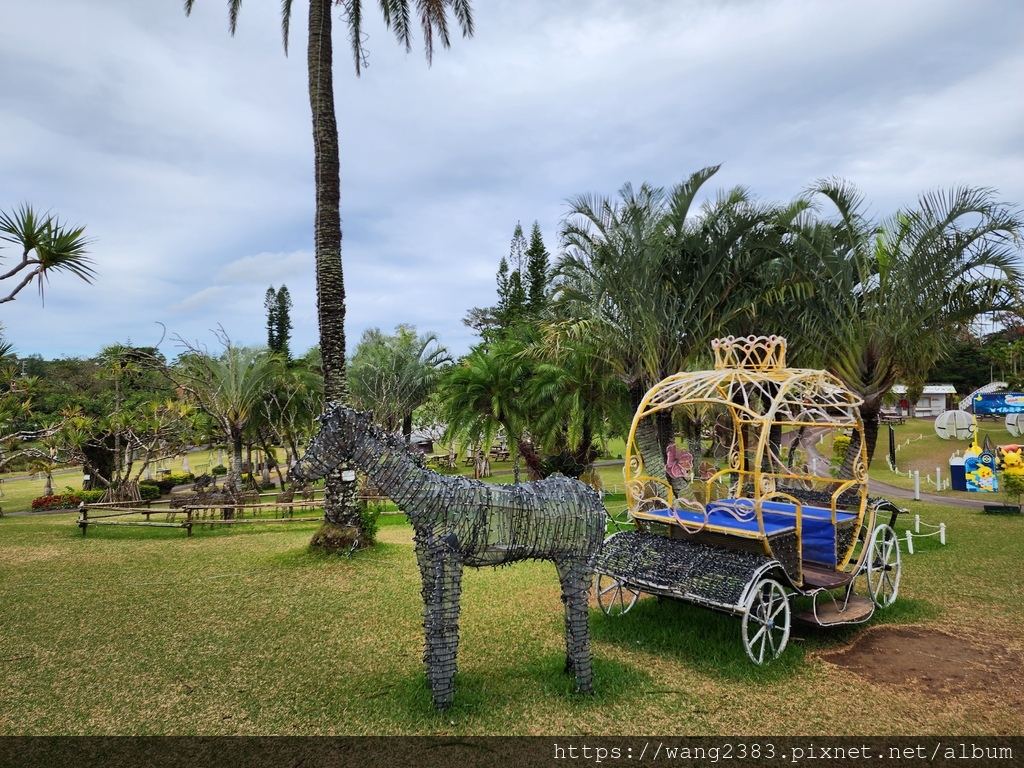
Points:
(764, 537)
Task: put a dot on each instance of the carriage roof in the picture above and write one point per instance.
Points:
(751, 380)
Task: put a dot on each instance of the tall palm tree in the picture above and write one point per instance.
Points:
(885, 297)
(341, 506)
(47, 246)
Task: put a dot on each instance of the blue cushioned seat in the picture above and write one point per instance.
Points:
(817, 533)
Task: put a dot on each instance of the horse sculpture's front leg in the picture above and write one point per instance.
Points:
(442, 588)
(576, 577)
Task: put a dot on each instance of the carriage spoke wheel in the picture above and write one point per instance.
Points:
(884, 566)
(766, 622)
(615, 597)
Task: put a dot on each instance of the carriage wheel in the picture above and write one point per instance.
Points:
(766, 622)
(615, 597)
(884, 566)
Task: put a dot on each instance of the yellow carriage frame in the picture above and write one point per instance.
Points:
(752, 383)
(708, 540)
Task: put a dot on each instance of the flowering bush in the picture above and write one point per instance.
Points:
(57, 501)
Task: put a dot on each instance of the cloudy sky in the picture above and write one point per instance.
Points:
(188, 153)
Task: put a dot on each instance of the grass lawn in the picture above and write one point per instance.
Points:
(139, 631)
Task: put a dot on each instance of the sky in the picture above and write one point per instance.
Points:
(188, 153)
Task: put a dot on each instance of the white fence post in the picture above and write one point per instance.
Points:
(942, 534)
(917, 485)
(910, 543)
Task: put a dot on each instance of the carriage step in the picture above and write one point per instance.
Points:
(825, 578)
(857, 609)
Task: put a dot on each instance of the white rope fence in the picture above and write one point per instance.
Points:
(888, 458)
(936, 530)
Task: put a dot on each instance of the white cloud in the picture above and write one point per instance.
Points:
(188, 153)
(266, 268)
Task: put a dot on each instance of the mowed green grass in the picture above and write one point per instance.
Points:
(140, 631)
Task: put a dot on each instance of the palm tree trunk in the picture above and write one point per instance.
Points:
(869, 414)
(341, 504)
(235, 478)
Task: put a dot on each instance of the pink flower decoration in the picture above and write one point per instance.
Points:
(679, 463)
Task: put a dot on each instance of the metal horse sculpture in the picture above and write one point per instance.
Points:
(459, 522)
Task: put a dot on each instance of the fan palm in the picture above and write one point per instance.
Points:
(230, 389)
(484, 394)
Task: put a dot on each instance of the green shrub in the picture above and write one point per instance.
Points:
(840, 445)
(149, 491)
(369, 519)
(89, 497)
(219, 470)
(1013, 487)
(165, 484)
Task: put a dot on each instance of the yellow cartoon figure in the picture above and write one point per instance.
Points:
(1011, 459)
(985, 479)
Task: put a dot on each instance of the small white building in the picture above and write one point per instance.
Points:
(935, 399)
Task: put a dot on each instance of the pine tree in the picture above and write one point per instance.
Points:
(284, 323)
(270, 304)
(536, 273)
(517, 251)
(514, 303)
(279, 324)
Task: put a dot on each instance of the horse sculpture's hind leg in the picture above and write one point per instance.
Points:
(442, 587)
(576, 577)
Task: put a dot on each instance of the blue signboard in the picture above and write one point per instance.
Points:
(999, 403)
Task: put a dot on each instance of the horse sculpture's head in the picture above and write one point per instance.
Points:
(333, 444)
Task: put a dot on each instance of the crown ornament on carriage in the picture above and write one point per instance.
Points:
(755, 353)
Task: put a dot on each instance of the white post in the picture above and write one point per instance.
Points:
(942, 534)
(917, 523)
(917, 485)
(910, 543)
(938, 479)
(814, 467)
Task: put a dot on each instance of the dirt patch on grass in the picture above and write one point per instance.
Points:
(935, 663)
